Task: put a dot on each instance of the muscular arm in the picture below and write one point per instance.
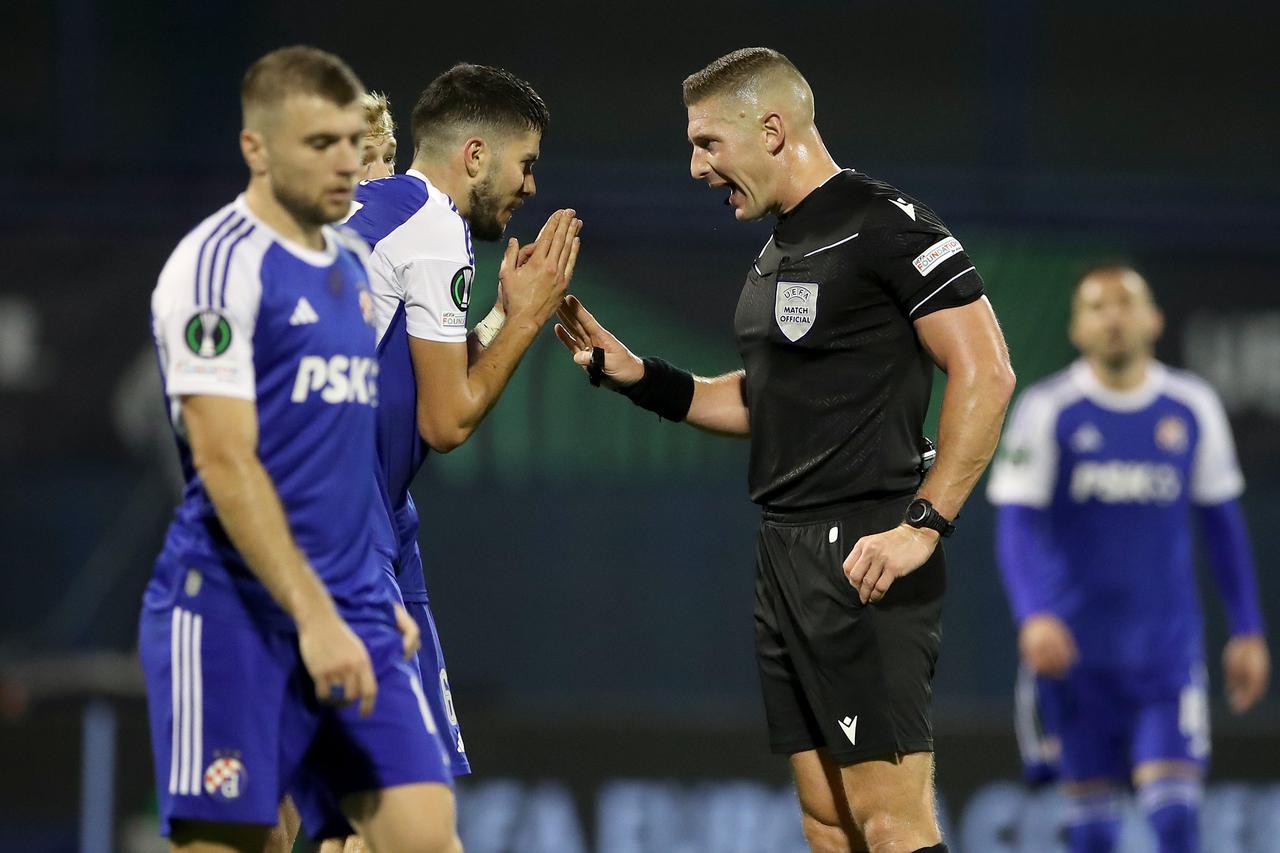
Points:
(719, 405)
(966, 343)
(223, 433)
(457, 386)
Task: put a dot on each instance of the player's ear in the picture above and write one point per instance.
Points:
(253, 148)
(475, 153)
(1157, 323)
(774, 132)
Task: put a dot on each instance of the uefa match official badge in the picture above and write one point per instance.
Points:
(225, 777)
(795, 308)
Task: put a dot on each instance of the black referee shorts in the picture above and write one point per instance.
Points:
(856, 679)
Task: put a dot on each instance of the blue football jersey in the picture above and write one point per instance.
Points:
(240, 311)
(422, 267)
(1117, 473)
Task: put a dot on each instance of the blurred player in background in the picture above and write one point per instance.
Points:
(858, 294)
(1101, 468)
(378, 151)
(477, 134)
(272, 649)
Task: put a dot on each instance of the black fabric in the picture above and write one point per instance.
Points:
(664, 389)
(825, 658)
(837, 383)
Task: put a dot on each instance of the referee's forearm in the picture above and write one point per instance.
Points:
(973, 409)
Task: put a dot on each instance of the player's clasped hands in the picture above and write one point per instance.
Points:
(533, 279)
(1046, 645)
(337, 661)
(877, 561)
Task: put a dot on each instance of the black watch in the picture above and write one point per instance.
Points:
(920, 513)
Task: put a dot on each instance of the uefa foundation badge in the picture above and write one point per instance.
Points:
(225, 778)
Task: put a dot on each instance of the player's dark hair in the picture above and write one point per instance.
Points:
(479, 96)
(298, 70)
(732, 71)
(1105, 266)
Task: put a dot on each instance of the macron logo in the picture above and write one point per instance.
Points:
(850, 729)
(303, 313)
(905, 206)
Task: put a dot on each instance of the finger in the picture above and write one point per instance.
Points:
(566, 251)
(548, 229)
(569, 341)
(526, 252)
(851, 562)
(554, 239)
(571, 316)
(875, 568)
(582, 358)
(881, 586)
(509, 258)
(573, 260)
(324, 690)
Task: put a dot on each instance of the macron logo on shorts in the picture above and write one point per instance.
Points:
(850, 728)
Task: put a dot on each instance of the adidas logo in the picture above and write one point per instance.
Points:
(303, 313)
(850, 728)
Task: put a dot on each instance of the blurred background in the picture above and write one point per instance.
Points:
(591, 570)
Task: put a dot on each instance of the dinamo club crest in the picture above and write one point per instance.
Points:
(1171, 434)
(795, 307)
(225, 777)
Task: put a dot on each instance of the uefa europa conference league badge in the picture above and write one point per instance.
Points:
(795, 308)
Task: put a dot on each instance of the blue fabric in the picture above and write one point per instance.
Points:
(435, 684)
(316, 437)
(1112, 721)
(1172, 806)
(1093, 823)
(1231, 561)
(246, 720)
(1029, 564)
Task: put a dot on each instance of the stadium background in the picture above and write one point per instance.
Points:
(591, 569)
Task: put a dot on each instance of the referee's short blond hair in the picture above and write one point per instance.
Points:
(734, 71)
(377, 112)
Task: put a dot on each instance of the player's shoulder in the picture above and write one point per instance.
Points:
(1190, 389)
(218, 255)
(404, 218)
(386, 204)
(884, 205)
(1045, 400)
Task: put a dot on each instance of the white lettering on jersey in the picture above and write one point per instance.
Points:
(339, 379)
(1117, 481)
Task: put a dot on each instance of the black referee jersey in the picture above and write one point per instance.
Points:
(837, 383)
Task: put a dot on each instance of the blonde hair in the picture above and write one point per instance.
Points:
(377, 113)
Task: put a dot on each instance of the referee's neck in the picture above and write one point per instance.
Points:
(809, 170)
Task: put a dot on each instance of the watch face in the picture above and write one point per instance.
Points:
(917, 511)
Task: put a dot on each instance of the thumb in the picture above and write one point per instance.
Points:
(582, 357)
(509, 257)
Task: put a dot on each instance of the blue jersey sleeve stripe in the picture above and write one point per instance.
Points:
(222, 285)
(203, 247)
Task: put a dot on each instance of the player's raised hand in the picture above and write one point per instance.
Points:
(337, 661)
(1046, 645)
(1246, 668)
(580, 333)
(534, 280)
(410, 633)
(878, 560)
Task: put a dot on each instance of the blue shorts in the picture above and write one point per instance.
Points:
(1109, 722)
(435, 684)
(235, 723)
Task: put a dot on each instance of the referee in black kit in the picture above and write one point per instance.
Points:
(860, 291)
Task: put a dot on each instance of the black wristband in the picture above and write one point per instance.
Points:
(664, 389)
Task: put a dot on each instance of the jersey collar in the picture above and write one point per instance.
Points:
(1120, 401)
(315, 257)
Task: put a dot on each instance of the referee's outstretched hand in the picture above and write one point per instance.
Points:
(580, 334)
(878, 560)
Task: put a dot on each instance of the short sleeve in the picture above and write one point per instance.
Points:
(1026, 468)
(437, 292)
(922, 265)
(203, 313)
(1215, 470)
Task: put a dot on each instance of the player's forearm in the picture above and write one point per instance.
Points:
(973, 409)
(1231, 561)
(249, 510)
(719, 405)
(1025, 559)
(446, 424)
